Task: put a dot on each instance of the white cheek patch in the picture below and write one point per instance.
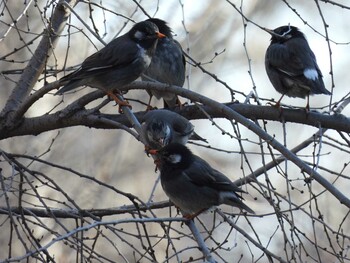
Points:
(175, 158)
(310, 73)
(139, 35)
(167, 131)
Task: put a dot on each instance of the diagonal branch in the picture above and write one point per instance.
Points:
(75, 114)
(252, 177)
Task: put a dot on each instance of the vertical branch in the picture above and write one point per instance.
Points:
(329, 50)
(200, 241)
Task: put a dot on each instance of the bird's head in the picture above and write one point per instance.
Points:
(284, 33)
(162, 26)
(174, 155)
(145, 31)
(159, 132)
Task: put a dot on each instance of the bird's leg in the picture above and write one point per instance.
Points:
(149, 107)
(307, 107)
(147, 149)
(278, 103)
(154, 153)
(178, 102)
(117, 100)
(157, 163)
(192, 216)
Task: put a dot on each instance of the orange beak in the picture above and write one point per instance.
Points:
(160, 35)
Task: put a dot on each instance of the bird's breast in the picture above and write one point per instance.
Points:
(144, 56)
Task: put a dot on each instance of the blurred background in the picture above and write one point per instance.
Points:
(214, 34)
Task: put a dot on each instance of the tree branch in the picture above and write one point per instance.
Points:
(74, 213)
(240, 230)
(36, 64)
(75, 114)
(252, 177)
(233, 115)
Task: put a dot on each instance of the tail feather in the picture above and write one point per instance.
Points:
(231, 198)
(67, 87)
(245, 207)
(196, 137)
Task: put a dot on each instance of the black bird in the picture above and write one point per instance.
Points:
(192, 184)
(119, 63)
(291, 65)
(161, 127)
(168, 65)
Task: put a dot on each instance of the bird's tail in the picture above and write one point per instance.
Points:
(246, 208)
(235, 201)
(68, 85)
(196, 137)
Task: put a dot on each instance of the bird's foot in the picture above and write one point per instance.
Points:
(153, 152)
(192, 216)
(121, 103)
(275, 105)
(178, 102)
(147, 149)
(149, 108)
(189, 216)
(307, 108)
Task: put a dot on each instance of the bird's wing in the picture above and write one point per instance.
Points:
(183, 56)
(314, 63)
(182, 126)
(202, 174)
(116, 54)
(287, 60)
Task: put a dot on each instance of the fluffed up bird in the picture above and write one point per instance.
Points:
(291, 65)
(119, 63)
(161, 127)
(168, 65)
(192, 184)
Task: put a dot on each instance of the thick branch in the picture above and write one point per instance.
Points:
(73, 213)
(229, 114)
(75, 114)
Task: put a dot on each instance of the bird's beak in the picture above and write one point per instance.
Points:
(274, 34)
(161, 141)
(271, 32)
(160, 35)
(153, 151)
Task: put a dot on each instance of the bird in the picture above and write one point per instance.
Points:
(162, 126)
(119, 63)
(168, 65)
(192, 184)
(291, 65)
